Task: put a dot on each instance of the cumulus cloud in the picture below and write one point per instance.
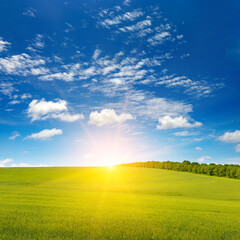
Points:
(41, 110)
(45, 134)
(203, 158)
(232, 137)
(198, 148)
(3, 45)
(168, 122)
(108, 116)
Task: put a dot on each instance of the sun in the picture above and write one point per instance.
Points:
(108, 152)
(110, 165)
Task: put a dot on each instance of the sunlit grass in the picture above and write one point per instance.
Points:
(116, 203)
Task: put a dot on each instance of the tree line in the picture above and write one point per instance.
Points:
(212, 169)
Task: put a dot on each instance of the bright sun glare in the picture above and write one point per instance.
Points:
(109, 152)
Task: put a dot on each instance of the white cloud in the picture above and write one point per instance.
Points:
(14, 136)
(197, 88)
(20, 165)
(41, 110)
(13, 102)
(96, 54)
(108, 116)
(3, 45)
(20, 64)
(127, 2)
(232, 137)
(37, 43)
(203, 158)
(65, 117)
(7, 89)
(168, 122)
(159, 38)
(198, 148)
(184, 133)
(31, 12)
(238, 148)
(128, 16)
(157, 107)
(180, 36)
(26, 96)
(45, 134)
(70, 28)
(68, 77)
(138, 26)
(5, 161)
(27, 165)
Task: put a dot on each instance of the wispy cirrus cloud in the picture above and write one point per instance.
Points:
(127, 2)
(5, 161)
(136, 27)
(149, 25)
(154, 108)
(159, 38)
(4, 45)
(37, 43)
(14, 136)
(7, 88)
(23, 64)
(185, 134)
(69, 28)
(237, 148)
(198, 88)
(45, 134)
(30, 12)
(116, 20)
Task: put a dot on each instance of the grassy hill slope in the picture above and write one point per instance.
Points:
(118, 203)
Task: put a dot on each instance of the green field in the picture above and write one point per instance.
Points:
(118, 203)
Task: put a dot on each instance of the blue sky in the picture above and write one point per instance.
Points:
(85, 83)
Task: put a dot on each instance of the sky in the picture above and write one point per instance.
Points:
(95, 83)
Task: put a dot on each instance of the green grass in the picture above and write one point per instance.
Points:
(122, 203)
